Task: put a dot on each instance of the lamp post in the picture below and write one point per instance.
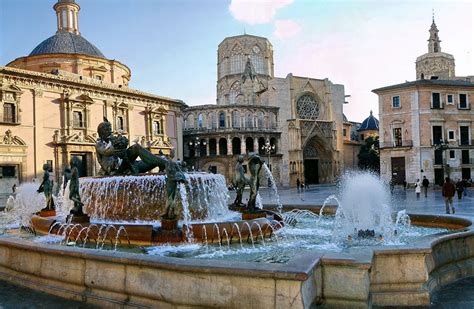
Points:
(196, 143)
(443, 146)
(268, 149)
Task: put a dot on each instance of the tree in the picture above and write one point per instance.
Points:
(369, 155)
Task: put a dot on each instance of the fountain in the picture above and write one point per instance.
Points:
(127, 254)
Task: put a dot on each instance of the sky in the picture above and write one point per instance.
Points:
(171, 45)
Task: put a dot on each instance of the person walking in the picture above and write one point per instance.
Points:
(298, 183)
(464, 183)
(459, 188)
(418, 188)
(448, 193)
(425, 184)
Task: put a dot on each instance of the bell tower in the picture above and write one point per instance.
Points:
(435, 64)
(67, 13)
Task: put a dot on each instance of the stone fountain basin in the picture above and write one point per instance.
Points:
(148, 234)
(396, 276)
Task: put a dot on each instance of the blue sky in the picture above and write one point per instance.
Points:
(171, 45)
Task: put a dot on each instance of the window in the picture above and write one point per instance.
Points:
(451, 135)
(8, 171)
(463, 101)
(396, 101)
(344, 132)
(452, 154)
(77, 120)
(435, 100)
(98, 77)
(9, 113)
(157, 128)
(235, 119)
(200, 121)
(465, 157)
(464, 135)
(120, 123)
(437, 135)
(397, 137)
(307, 107)
(221, 120)
(234, 93)
(449, 99)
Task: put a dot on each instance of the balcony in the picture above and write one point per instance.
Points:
(396, 144)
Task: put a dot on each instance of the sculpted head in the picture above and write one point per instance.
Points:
(104, 129)
(240, 159)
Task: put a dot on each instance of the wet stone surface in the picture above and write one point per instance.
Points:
(459, 295)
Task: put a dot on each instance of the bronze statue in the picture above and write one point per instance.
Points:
(174, 176)
(239, 181)
(255, 165)
(74, 189)
(116, 159)
(47, 187)
(66, 176)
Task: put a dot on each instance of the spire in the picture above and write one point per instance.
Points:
(67, 12)
(434, 43)
(370, 112)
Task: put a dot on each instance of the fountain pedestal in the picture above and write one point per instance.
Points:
(78, 219)
(168, 232)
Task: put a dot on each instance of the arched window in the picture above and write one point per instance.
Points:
(190, 121)
(211, 120)
(257, 59)
(237, 60)
(157, 128)
(307, 107)
(236, 145)
(249, 145)
(260, 122)
(221, 120)
(222, 147)
(249, 121)
(120, 123)
(200, 121)
(235, 119)
(234, 93)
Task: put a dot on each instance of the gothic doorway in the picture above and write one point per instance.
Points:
(311, 165)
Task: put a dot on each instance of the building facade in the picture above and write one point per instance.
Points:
(296, 123)
(426, 125)
(54, 98)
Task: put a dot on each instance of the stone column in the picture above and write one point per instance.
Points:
(217, 147)
(255, 145)
(229, 145)
(207, 147)
(242, 144)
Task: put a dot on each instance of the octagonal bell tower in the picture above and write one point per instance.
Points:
(244, 66)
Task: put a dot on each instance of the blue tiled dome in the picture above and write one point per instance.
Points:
(370, 123)
(64, 42)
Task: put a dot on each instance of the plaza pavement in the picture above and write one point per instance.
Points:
(401, 199)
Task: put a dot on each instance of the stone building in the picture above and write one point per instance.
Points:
(294, 122)
(426, 125)
(54, 98)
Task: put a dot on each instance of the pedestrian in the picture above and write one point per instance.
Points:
(448, 193)
(404, 184)
(459, 188)
(418, 188)
(465, 185)
(425, 184)
(298, 183)
(392, 185)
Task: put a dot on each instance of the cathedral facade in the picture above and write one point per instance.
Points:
(426, 125)
(295, 123)
(54, 98)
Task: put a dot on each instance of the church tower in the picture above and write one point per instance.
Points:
(435, 64)
(67, 12)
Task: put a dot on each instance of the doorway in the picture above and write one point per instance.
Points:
(82, 166)
(398, 170)
(439, 176)
(311, 171)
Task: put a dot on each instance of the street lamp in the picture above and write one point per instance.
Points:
(196, 144)
(268, 149)
(443, 146)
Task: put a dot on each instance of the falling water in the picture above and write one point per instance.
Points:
(186, 213)
(23, 206)
(275, 195)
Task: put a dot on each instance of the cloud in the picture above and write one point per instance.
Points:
(286, 28)
(256, 11)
